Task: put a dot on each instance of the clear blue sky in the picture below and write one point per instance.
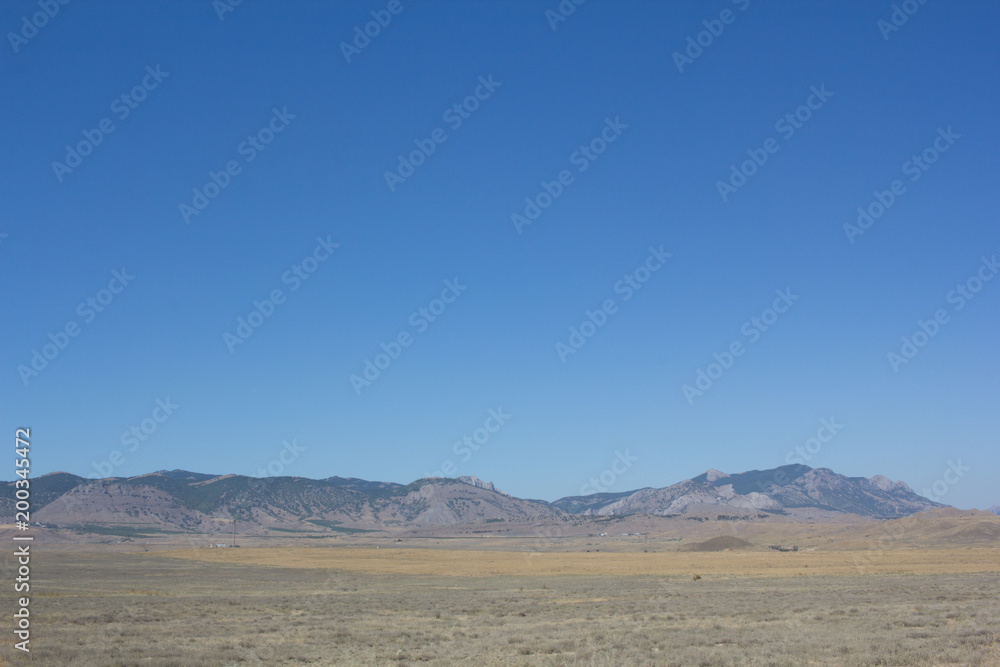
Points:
(495, 345)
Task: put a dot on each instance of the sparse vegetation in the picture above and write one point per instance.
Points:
(336, 527)
(121, 531)
(221, 609)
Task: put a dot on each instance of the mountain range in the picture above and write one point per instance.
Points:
(792, 489)
(182, 501)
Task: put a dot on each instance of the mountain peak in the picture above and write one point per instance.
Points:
(885, 484)
(793, 489)
(882, 482)
(183, 475)
(472, 480)
(711, 475)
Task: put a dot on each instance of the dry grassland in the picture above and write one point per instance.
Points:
(354, 606)
(471, 563)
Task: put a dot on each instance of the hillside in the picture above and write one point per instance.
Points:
(182, 501)
(792, 489)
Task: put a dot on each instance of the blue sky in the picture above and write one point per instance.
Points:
(328, 127)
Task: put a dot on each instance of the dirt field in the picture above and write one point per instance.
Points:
(359, 606)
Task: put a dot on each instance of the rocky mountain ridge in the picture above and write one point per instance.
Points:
(183, 501)
(787, 489)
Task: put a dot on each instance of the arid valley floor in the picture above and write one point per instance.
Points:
(860, 594)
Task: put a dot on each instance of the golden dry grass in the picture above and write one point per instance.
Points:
(126, 609)
(471, 563)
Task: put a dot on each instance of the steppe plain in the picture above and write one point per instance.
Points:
(922, 591)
